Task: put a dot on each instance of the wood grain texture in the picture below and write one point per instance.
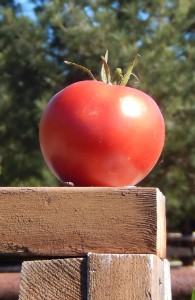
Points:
(58, 279)
(125, 277)
(75, 221)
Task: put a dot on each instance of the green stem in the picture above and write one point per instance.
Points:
(81, 68)
(106, 70)
(118, 76)
(129, 72)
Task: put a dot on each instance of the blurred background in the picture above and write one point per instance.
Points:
(36, 36)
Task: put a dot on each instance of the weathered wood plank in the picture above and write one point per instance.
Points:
(124, 277)
(60, 279)
(75, 221)
(104, 276)
(182, 282)
(167, 280)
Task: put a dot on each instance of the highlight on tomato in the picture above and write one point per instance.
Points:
(102, 133)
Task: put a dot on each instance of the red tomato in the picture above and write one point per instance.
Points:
(96, 134)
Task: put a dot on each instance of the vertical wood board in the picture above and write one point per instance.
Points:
(59, 279)
(124, 277)
(167, 280)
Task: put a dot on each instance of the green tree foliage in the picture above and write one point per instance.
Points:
(32, 51)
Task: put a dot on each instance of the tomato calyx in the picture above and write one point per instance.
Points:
(117, 79)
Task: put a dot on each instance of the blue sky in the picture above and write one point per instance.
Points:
(27, 7)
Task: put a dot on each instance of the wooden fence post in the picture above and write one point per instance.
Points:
(115, 236)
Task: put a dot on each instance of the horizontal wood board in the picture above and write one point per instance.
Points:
(70, 221)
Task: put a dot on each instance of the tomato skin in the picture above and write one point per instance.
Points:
(95, 134)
